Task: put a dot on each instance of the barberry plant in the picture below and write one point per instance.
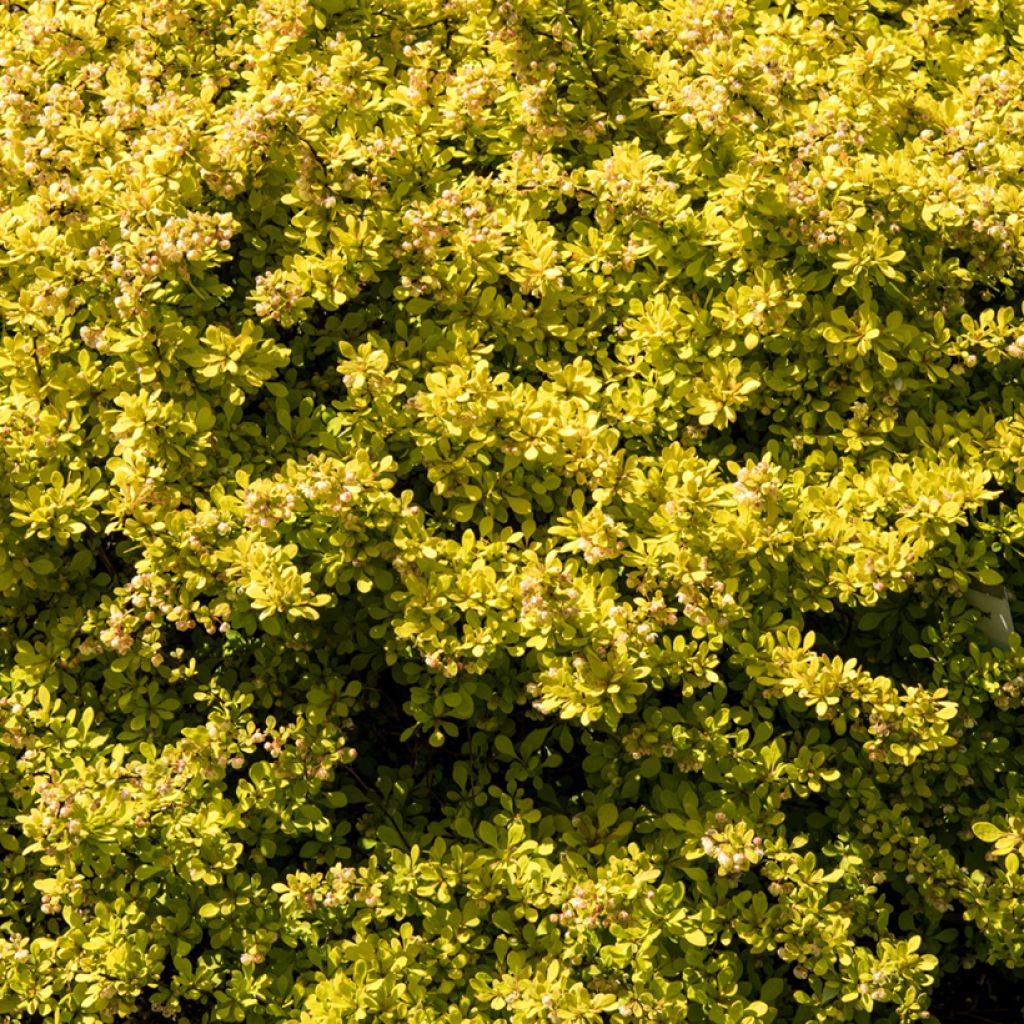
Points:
(491, 496)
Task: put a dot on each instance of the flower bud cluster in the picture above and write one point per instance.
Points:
(15, 949)
(335, 488)
(20, 86)
(704, 103)
(443, 662)
(734, 846)
(246, 130)
(687, 29)
(878, 724)
(279, 296)
(341, 885)
(831, 132)
(1015, 348)
(193, 238)
(69, 894)
(546, 596)
(632, 181)
(118, 635)
(673, 743)
(471, 90)
(698, 605)
(595, 906)
(756, 483)
(600, 537)
(265, 504)
(422, 85)
(278, 24)
(60, 46)
(424, 230)
(874, 985)
(1010, 693)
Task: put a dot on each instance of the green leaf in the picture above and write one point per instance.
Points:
(521, 506)
(989, 577)
(986, 832)
(533, 742)
(1005, 844)
(504, 746)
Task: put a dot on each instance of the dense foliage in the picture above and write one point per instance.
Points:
(490, 490)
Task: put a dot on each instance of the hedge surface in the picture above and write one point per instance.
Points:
(490, 492)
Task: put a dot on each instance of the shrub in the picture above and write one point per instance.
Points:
(492, 498)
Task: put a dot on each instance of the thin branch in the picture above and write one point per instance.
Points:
(371, 796)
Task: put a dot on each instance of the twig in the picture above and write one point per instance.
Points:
(379, 803)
